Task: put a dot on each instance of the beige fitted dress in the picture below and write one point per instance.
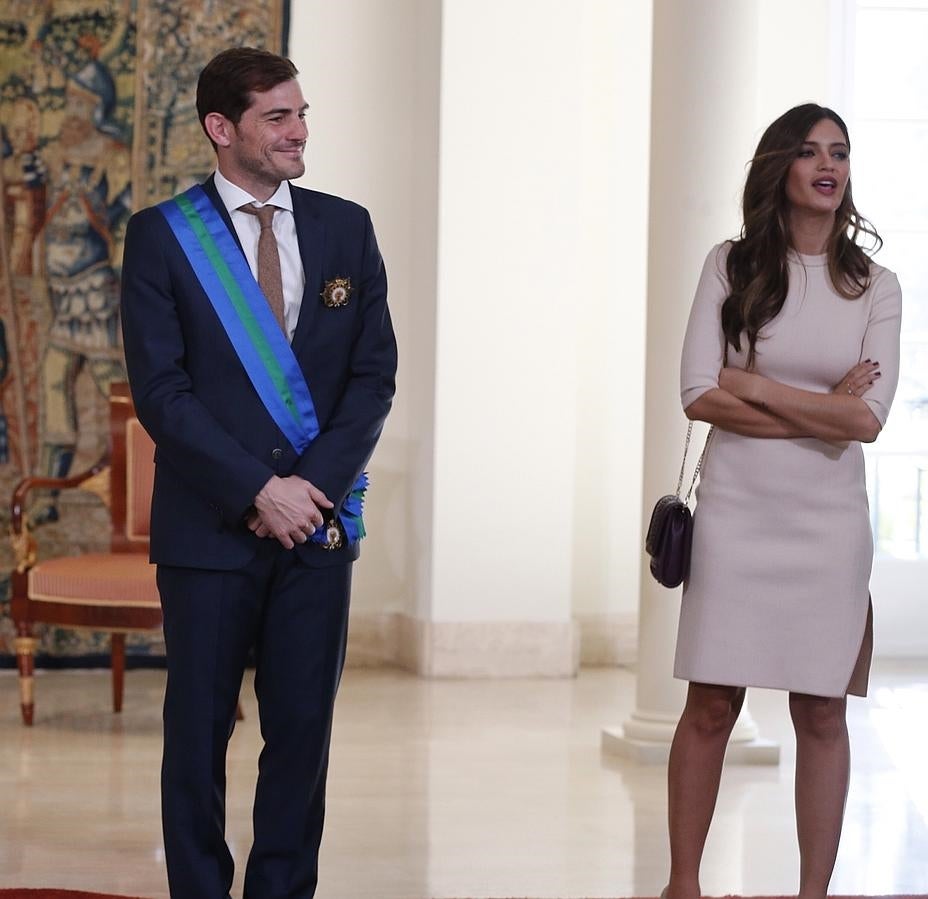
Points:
(778, 591)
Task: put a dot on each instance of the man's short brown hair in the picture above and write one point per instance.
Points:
(226, 83)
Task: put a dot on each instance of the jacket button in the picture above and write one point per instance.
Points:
(277, 453)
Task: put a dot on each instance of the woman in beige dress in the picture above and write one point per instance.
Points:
(792, 352)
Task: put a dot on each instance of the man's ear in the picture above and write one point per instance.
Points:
(219, 128)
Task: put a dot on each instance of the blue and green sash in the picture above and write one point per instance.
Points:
(258, 341)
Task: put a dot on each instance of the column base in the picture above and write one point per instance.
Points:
(646, 737)
(754, 751)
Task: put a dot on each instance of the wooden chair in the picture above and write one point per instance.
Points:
(113, 591)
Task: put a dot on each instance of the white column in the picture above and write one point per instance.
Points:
(611, 286)
(510, 146)
(703, 119)
(374, 129)
(509, 292)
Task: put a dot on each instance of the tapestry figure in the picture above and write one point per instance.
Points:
(79, 248)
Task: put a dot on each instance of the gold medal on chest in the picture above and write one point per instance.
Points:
(336, 292)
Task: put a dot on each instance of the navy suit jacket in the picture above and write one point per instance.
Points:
(216, 444)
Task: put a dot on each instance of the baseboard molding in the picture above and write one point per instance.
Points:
(477, 649)
(608, 641)
(373, 640)
(467, 649)
(452, 649)
(492, 649)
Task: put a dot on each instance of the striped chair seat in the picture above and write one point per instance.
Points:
(96, 579)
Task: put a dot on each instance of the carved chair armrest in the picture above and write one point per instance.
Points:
(22, 540)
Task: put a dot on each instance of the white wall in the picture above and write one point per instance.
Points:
(370, 72)
(796, 52)
(510, 294)
(511, 224)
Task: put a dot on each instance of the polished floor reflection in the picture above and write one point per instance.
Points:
(444, 789)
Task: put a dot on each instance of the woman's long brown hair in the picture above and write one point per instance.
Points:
(757, 268)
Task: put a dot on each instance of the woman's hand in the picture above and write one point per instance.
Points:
(826, 416)
(740, 383)
(859, 379)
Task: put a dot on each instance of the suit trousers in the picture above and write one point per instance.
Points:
(295, 619)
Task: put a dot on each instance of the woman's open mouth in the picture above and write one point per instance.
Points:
(826, 186)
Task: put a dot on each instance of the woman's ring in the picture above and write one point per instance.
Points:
(851, 392)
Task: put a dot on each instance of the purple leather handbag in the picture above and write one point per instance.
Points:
(670, 532)
(670, 536)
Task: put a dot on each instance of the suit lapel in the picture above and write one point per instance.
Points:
(310, 234)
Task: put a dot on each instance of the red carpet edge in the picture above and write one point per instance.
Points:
(26, 893)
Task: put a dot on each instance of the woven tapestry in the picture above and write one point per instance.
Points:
(97, 119)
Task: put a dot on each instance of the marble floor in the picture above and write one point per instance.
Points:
(443, 789)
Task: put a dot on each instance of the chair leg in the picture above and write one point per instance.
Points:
(25, 661)
(118, 663)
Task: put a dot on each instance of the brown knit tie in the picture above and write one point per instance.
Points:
(269, 277)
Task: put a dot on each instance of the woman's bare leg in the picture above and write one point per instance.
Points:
(693, 776)
(823, 761)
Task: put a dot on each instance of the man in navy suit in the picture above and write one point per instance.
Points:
(263, 427)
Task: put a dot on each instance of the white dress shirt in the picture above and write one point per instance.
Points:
(248, 229)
